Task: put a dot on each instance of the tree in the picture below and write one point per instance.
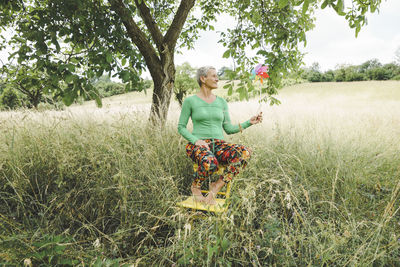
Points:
(106, 87)
(328, 76)
(9, 99)
(185, 81)
(33, 84)
(391, 70)
(2, 86)
(370, 65)
(73, 41)
(315, 74)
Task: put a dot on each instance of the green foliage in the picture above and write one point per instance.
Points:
(2, 86)
(34, 85)
(185, 81)
(328, 76)
(369, 70)
(107, 88)
(347, 73)
(10, 99)
(264, 27)
(226, 73)
(37, 250)
(49, 250)
(93, 43)
(75, 41)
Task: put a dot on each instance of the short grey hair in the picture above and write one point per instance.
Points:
(203, 72)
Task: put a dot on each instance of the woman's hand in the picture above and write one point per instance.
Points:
(256, 119)
(202, 143)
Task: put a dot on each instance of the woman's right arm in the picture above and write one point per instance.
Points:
(186, 112)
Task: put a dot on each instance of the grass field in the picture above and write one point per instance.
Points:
(88, 186)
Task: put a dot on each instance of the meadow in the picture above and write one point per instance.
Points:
(98, 187)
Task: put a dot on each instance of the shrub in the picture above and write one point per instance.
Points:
(328, 76)
(314, 76)
(355, 76)
(397, 77)
(379, 74)
(10, 99)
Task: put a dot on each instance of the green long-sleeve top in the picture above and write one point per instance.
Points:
(209, 119)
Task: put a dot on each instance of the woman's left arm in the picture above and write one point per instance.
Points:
(227, 125)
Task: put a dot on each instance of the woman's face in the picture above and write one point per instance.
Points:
(211, 80)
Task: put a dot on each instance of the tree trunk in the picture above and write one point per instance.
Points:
(163, 88)
(160, 62)
(36, 97)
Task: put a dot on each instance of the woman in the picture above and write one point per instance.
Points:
(206, 147)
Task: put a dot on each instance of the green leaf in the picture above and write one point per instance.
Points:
(12, 55)
(20, 39)
(358, 28)
(75, 60)
(68, 98)
(324, 4)
(61, 68)
(225, 244)
(305, 6)
(230, 91)
(282, 3)
(211, 250)
(339, 7)
(99, 72)
(69, 78)
(71, 67)
(242, 93)
(98, 262)
(123, 62)
(109, 57)
(227, 54)
(90, 74)
(125, 76)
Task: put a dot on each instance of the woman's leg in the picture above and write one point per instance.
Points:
(215, 187)
(233, 156)
(207, 165)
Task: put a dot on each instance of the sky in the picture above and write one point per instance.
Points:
(330, 43)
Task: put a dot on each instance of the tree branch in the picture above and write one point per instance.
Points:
(150, 23)
(175, 29)
(137, 37)
(23, 90)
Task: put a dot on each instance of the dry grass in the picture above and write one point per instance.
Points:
(94, 185)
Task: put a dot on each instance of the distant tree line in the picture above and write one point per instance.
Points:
(22, 87)
(369, 70)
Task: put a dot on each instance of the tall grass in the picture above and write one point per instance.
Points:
(87, 186)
